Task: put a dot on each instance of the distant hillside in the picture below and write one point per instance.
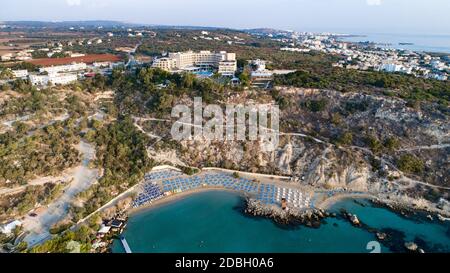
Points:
(99, 23)
(265, 31)
(40, 24)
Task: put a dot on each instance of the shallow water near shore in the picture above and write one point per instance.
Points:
(416, 42)
(214, 222)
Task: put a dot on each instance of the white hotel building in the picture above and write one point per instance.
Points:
(224, 62)
(20, 73)
(43, 80)
(63, 68)
(60, 74)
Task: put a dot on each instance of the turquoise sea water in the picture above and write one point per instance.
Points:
(421, 43)
(214, 222)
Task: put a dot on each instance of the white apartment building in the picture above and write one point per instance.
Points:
(227, 68)
(438, 65)
(63, 78)
(23, 58)
(295, 49)
(101, 64)
(260, 64)
(166, 64)
(260, 73)
(63, 68)
(6, 57)
(391, 67)
(39, 79)
(20, 73)
(439, 77)
(44, 80)
(73, 55)
(223, 61)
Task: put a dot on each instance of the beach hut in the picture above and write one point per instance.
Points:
(104, 229)
(116, 224)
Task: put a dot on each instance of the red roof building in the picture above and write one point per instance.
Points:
(88, 59)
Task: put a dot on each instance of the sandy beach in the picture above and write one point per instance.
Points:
(175, 197)
(330, 201)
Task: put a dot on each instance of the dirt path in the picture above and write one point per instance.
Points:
(366, 150)
(431, 147)
(143, 131)
(83, 177)
(65, 177)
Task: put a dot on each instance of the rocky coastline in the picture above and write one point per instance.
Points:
(392, 239)
(310, 218)
(408, 212)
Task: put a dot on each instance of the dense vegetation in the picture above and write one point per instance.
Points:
(31, 102)
(18, 204)
(155, 91)
(410, 164)
(345, 80)
(122, 153)
(69, 241)
(48, 101)
(47, 151)
(315, 105)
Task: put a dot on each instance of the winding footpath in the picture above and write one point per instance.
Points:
(366, 150)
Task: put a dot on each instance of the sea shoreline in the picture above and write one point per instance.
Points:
(392, 238)
(324, 205)
(418, 44)
(176, 197)
(323, 208)
(313, 216)
(331, 201)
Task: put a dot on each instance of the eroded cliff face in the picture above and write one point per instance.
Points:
(316, 164)
(311, 150)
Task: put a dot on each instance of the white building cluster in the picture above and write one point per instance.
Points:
(63, 68)
(260, 76)
(22, 55)
(63, 74)
(21, 74)
(225, 63)
(54, 78)
(394, 61)
(370, 57)
(60, 74)
(205, 35)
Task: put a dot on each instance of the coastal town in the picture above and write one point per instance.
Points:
(96, 100)
(368, 55)
(58, 62)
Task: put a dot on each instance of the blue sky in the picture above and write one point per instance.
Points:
(350, 16)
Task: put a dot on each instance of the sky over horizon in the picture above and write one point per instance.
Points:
(345, 16)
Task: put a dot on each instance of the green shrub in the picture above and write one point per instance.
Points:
(410, 164)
